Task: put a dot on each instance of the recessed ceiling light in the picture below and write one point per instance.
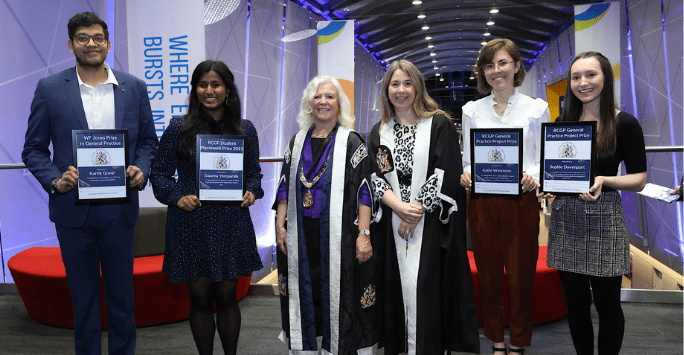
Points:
(421, 16)
(487, 34)
(490, 23)
(425, 27)
(428, 37)
(431, 45)
(434, 60)
(494, 11)
(416, 2)
(483, 43)
(433, 53)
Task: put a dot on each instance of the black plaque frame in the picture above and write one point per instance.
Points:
(100, 201)
(473, 192)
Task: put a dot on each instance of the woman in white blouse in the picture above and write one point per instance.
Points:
(504, 231)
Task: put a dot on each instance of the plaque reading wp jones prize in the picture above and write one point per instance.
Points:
(101, 157)
(220, 168)
(496, 155)
(567, 161)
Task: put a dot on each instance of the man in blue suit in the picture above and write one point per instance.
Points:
(92, 96)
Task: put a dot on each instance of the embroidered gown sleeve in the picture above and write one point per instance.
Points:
(446, 154)
(428, 196)
(379, 184)
(359, 159)
(283, 179)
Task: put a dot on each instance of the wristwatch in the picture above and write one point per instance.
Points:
(54, 183)
(364, 232)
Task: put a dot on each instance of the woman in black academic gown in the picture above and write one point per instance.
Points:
(326, 267)
(427, 290)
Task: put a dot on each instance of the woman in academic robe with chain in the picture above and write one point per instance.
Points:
(326, 267)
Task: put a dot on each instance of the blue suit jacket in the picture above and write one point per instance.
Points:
(56, 110)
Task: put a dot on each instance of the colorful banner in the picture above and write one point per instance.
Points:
(165, 44)
(555, 94)
(336, 53)
(597, 28)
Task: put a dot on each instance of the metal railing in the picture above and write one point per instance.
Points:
(261, 160)
(653, 149)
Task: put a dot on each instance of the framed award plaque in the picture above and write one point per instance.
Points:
(101, 157)
(220, 168)
(496, 156)
(567, 157)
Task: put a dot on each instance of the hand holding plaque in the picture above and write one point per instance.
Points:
(101, 157)
(567, 161)
(220, 169)
(496, 161)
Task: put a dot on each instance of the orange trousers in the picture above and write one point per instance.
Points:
(504, 233)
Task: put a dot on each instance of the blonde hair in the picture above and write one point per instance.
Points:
(423, 105)
(344, 115)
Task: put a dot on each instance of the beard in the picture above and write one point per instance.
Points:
(84, 63)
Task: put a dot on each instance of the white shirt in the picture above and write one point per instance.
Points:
(522, 112)
(98, 102)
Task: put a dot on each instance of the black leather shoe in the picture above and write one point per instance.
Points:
(517, 351)
(495, 349)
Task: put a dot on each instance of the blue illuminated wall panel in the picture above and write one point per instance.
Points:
(653, 93)
(34, 45)
(656, 41)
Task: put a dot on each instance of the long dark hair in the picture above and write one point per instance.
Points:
(197, 121)
(572, 110)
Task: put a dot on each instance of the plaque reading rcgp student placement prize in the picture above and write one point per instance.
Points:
(220, 168)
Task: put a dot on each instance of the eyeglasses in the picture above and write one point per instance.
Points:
(491, 66)
(84, 39)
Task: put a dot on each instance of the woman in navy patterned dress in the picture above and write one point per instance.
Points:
(208, 247)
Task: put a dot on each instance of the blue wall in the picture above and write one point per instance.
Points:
(270, 75)
(651, 89)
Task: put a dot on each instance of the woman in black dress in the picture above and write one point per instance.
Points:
(208, 247)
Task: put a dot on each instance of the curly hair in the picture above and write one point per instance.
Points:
(344, 114)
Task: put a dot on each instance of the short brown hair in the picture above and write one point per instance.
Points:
(423, 105)
(487, 54)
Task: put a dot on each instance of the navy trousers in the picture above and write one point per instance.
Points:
(106, 241)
